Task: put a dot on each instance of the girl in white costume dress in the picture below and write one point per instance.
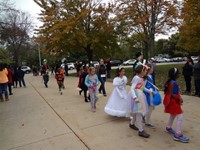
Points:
(117, 102)
(137, 100)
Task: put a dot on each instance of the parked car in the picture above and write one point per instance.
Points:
(71, 66)
(95, 63)
(115, 62)
(26, 69)
(129, 62)
(160, 60)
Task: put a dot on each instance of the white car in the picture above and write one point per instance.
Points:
(129, 62)
(95, 63)
(71, 66)
(26, 69)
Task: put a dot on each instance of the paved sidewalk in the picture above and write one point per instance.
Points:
(38, 118)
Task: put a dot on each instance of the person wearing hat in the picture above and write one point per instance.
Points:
(45, 73)
(139, 58)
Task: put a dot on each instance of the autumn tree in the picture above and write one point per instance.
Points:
(147, 18)
(190, 30)
(81, 25)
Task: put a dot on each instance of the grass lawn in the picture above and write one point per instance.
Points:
(161, 76)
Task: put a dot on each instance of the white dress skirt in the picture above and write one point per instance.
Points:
(136, 91)
(117, 102)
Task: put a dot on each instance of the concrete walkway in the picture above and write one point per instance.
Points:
(38, 118)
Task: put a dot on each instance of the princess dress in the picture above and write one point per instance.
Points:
(117, 102)
(136, 91)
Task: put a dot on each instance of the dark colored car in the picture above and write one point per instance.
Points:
(115, 62)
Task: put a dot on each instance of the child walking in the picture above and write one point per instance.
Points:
(138, 101)
(149, 96)
(172, 102)
(91, 81)
(82, 85)
(60, 78)
(117, 103)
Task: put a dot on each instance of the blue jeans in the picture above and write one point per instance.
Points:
(3, 88)
(102, 86)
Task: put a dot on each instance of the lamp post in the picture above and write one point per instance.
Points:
(39, 56)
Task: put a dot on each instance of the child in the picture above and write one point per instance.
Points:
(149, 96)
(117, 103)
(62, 71)
(60, 78)
(172, 102)
(91, 81)
(82, 85)
(138, 100)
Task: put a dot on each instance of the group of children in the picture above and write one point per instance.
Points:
(139, 103)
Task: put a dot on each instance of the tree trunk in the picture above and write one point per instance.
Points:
(152, 31)
(146, 49)
(89, 53)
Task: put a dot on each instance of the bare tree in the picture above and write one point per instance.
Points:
(14, 28)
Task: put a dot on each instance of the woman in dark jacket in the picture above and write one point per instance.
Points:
(187, 73)
(101, 72)
(20, 74)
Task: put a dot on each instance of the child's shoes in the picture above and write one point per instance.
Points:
(181, 138)
(143, 134)
(170, 130)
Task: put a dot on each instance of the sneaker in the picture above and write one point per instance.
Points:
(181, 138)
(150, 125)
(170, 130)
(132, 126)
(143, 134)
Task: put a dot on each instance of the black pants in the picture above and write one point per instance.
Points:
(188, 83)
(46, 80)
(10, 88)
(197, 87)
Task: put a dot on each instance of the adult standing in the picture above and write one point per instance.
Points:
(45, 73)
(20, 74)
(108, 67)
(187, 73)
(101, 72)
(197, 77)
(15, 77)
(3, 82)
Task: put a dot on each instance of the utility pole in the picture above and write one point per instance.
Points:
(39, 56)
